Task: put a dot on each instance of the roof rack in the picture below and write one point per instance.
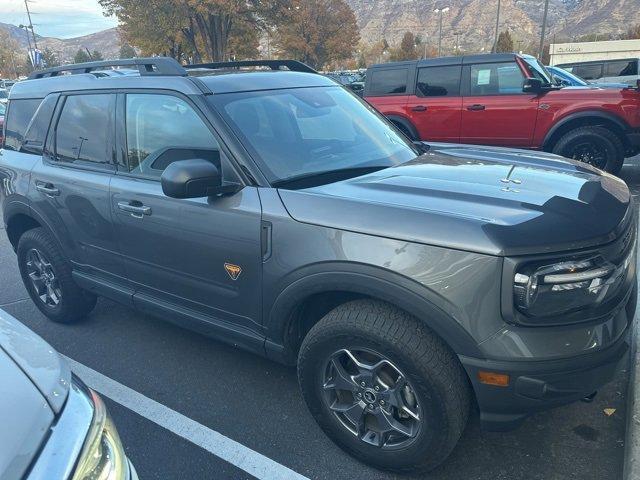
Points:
(146, 66)
(292, 65)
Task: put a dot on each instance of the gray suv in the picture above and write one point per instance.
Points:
(265, 205)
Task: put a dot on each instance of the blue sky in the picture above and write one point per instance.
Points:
(58, 18)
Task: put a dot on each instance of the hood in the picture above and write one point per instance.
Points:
(26, 419)
(41, 364)
(488, 200)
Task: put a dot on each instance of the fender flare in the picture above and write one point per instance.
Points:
(405, 123)
(584, 114)
(375, 282)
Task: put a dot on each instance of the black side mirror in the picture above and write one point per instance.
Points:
(193, 178)
(532, 85)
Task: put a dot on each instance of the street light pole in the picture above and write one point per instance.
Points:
(544, 27)
(495, 40)
(440, 11)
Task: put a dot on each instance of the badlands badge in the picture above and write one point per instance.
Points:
(234, 271)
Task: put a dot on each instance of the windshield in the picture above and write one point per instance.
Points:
(570, 77)
(306, 131)
(537, 70)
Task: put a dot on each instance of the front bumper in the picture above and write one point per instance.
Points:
(540, 385)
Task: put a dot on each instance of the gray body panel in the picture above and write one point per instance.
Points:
(432, 236)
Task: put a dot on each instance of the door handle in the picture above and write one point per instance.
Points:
(475, 107)
(418, 108)
(47, 188)
(136, 209)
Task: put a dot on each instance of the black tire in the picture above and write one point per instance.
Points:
(597, 146)
(438, 381)
(405, 130)
(73, 302)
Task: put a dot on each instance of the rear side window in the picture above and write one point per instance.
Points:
(439, 81)
(588, 71)
(621, 69)
(37, 129)
(388, 82)
(19, 115)
(496, 79)
(83, 129)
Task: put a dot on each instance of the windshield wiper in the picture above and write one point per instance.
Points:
(305, 180)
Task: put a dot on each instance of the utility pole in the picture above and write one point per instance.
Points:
(440, 11)
(457, 34)
(35, 43)
(495, 40)
(544, 27)
(26, 29)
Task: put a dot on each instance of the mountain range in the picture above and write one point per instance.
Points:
(474, 20)
(107, 42)
(471, 23)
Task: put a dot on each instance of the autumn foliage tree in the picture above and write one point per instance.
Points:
(505, 42)
(317, 32)
(407, 49)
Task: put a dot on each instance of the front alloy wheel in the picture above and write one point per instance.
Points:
(371, 398)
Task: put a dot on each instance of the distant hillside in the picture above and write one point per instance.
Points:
(107, 42)
(474, 20)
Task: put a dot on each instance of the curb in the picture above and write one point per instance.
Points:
(631, 468)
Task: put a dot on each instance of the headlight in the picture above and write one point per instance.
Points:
(552, 289)
(102, 456)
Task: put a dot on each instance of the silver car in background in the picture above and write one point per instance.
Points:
(53, 426)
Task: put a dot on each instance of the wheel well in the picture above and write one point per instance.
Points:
(588, 121)
(17, 225)
(405, 126)
(309, 312)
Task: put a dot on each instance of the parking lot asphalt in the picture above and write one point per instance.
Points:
(256, 403)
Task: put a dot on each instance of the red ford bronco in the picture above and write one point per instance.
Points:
(506, 100)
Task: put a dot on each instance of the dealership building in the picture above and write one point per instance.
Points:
(561, 53)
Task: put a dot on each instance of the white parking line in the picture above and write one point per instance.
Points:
(214, 442)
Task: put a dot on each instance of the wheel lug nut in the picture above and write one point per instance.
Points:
(359, 395)
(377, 388)
(381, 402)
(362, 384)
(371, 406)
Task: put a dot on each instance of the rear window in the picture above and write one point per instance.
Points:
(439, 81)
(621, 68)
(591, 71)
(388, 82)
(83, 130)
(19, 115)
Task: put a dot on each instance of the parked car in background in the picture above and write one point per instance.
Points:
(568, 79)
(53, 426)
(3, 110)
(353, 81)
(4, 95)
(605, 71)
(7, 84)
(410, 283)
(506, 100)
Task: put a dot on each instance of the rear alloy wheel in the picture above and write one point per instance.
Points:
(596, 146)
(43, 279)
(383, 386)
(46, 274)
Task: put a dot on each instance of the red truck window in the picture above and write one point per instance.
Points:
(439, 81)
(388, 82)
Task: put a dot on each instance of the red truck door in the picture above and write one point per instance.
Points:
(495, 110)
(436, 108)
